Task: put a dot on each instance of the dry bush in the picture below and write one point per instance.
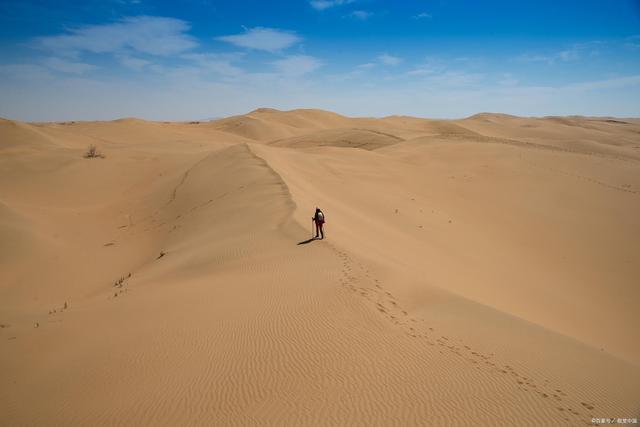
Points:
(92, 152)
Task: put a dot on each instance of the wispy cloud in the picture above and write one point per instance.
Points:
(508, 79)
(456, 78)
(216, 63)
(422, 15)
(133, 63)
(260, 38)
(633, 42)
(572, 53)
(327, 4)
(430, 66)
(551, 58)
(66, 66)
(615, 82)
(297, 65)
(362, 15)
(529, 57)
(387, 59)
(147, 34)
(564, 55)
(26, 72)
(436, 71)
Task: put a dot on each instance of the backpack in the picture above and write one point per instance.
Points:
(320, 216)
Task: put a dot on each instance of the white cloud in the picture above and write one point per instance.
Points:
(568, 55)
(27, 72)
(423, 15)
(136, 64)
(327, 4)
(615, 82)
(573, 53)
(260, 38)
(65, 66)
(438, 72)
(429, 67)
(508, 79)
(216, 63)
(147, 34)
(422, 71)
(527, 57)
(387, 59)
(297, 65)
(552, 58)
(362, 15)
(455, 78)
(367, 65)
(633, 42)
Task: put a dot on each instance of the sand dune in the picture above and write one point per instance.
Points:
(22, 136)
(366, 139)
(481, 271)
(266, 124)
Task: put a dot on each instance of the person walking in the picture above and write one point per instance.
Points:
(318, 219)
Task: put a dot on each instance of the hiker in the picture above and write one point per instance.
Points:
(318, 218)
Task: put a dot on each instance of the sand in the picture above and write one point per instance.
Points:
(481, 271)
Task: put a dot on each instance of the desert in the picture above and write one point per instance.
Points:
(477, 271)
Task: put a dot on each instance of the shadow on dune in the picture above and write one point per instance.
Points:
(304, 242)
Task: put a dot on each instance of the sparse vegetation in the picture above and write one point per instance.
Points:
(120, 284)
(63, 308)
(92, 152)
(162, 253)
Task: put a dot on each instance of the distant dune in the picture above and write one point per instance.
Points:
(354, 138)
(481, 271)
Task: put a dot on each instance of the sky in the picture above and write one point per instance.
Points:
(202, 59)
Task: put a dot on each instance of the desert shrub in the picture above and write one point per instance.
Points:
(92, 152)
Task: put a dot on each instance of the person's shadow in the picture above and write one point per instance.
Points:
(304, 242)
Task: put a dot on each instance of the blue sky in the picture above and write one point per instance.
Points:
(198, 59)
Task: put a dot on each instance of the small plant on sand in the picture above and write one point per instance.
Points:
(92, 152)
